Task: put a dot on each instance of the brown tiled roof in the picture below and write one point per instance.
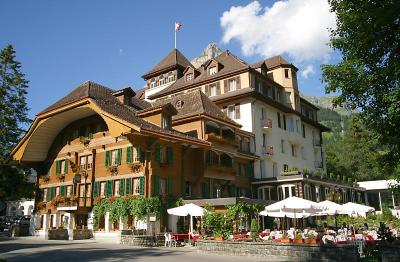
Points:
(272, 62)
(173, 59)
(85, 90)
(140, 93)
(230, 64)
(140, 104)
(103, 98)
(195, 102)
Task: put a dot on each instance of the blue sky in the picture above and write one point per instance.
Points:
(64, 43)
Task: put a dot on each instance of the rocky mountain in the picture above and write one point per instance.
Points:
(211, 51)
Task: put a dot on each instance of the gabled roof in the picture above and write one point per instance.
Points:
(230, 64)
(88, 89)
(273, 62)
(195, 102)
(172, 60)
(103, 98)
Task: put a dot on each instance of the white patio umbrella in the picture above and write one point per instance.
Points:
(187, 209)
(357, 209)
(285, 214)
(331, 208)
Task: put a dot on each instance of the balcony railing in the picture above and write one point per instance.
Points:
(318, 164)
(316, 142)
(86, 166)
(268, 150)
(266, 123)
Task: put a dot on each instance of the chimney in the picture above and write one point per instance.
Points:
(124, 95)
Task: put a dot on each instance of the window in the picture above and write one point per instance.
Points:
(265, 193)
(86, 162)
(262, 114)
(270, 75)
(307, 192)
(69, 190)
(264, 140)
(304, 130)
(170, 77)
(283, 146)
(61, 167)
(231, 112)
(285, 191)
(279, 120)
(161, 81)
(45, 195)
(152, 83)
(286, 73)
(294, 154)
(285, 168)
(113, 157)
(81, 190)
(189, 77)
(136, 186)
(179, 104)
(284, 122)
(212, 158)
(288, 101)
(213, 90)
(116, 187)
(232, 84)
(163, 186)
(163, 154)
(57, 191)
(275, 169)
(290, 124)
(166, 122)
(213, 70)
(102, 189)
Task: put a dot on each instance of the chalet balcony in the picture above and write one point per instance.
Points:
(266, 124)
(318, 164)
(268, 151)
(67, 204)
(316, 142)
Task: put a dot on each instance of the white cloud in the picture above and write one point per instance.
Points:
(309, 70)
(298, 28)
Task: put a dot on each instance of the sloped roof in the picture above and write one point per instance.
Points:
(103, 98)
(195, 102)
(273, 62)
(173, 59)
(230, 64)
(85, 90)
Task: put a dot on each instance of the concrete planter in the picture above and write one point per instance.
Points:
(58, 234)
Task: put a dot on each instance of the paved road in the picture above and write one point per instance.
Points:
(31, 249)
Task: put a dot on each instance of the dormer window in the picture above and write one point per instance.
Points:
(170, 77)
(179, 104)
(286, 73)
(152, 83)
(189, 77)
(161, 81)
(213, 70)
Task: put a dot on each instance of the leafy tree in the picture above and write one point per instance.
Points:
(368, 37)
(13, 115)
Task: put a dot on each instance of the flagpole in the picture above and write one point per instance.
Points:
(175, 37)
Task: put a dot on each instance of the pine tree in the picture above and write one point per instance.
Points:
(13, 107)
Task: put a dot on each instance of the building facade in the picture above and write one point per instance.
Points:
(222, 130)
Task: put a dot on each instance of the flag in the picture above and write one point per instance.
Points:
(177, 26)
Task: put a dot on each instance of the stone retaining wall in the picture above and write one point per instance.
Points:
(138, 241)
(57, 234)
(389, 252)
(79, 234)
(296, 252)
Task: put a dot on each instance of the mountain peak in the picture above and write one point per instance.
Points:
(211, 51)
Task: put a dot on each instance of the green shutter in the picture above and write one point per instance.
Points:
(141, 154)
(156, 185)
(141, 185)
(129, 154)
(183, 185)
(170, 155)
(63, 191)
(122, 187)
(119, 155)
(158, 153)
(66, 166)
(128, 186)
(249, 169)
(90, 135)
(96, 189)
(231, 190)
(108, 158)
(109, 188)
(48, 195)
(169, 184)
(57, 166)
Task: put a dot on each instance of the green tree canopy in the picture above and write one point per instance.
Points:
(14, 182)
(368, 37)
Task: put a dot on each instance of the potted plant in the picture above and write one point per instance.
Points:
(311, 238)
(284, 239)
(136, 167)
(254, 229)
(41, 205)
(46, 178)
(218, 235)
(113, 169)
(298, 238)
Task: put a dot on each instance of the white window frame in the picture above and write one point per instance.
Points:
(189, 77)
(307, 192)
(213, 90)
(116, 187)
(82, 190)
(232, 84)
(113, 157)
(170, 78)
(231, 112)
(152, 83)
(45, 195)
(283, 187)
(213, 70)
(136, 186)
(102, 189)
(163, 186)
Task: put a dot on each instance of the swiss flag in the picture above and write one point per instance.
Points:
(177, 26)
